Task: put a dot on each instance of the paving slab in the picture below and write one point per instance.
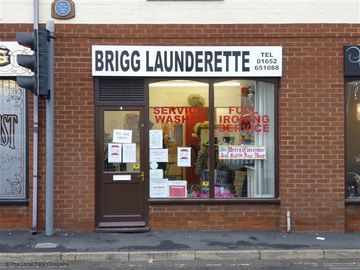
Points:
(73, 246)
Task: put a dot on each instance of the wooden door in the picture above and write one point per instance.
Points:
(121, 200)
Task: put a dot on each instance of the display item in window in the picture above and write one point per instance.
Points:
(353, 185)
(201, 162)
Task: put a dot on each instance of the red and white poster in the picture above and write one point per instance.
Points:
(177, 189)
(114, 153)
(184, 156)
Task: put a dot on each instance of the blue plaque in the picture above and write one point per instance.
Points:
(62, 8)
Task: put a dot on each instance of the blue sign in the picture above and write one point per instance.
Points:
(62, 8)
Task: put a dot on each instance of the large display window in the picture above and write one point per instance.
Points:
(352, 139)
(13, 131)
(212, 139)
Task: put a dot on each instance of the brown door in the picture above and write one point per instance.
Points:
(120, 163)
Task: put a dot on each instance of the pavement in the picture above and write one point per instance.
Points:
(23, 246)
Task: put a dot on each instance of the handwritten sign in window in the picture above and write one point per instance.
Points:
(122, 136)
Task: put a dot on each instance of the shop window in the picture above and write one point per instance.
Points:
(244, 139)
(352, 139)
(13, 142)
(233, 157)
(179, 121)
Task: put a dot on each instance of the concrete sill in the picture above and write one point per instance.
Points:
(215, 201)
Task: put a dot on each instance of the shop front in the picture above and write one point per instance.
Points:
(186, 127)
(192, 127)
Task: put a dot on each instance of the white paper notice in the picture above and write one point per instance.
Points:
(155, 138)
(114, 153)
(159, 155)
(159, 188)
(122, 136)
(126, 177)
(129, 152)
(156, 174)
(184, 156)
(242, 152)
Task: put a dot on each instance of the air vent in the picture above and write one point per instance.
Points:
(114, 90)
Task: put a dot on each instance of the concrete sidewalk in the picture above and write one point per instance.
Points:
(67, 246)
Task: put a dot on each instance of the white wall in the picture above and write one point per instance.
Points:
(225, 11)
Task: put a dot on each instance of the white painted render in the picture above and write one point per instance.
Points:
(182, 12)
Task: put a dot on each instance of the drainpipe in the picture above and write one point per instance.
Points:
(288, 221)
(35, 138)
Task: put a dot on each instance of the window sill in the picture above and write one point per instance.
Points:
(216, 201)
(352, 201)
(14, 202)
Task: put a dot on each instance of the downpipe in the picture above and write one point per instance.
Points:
(34, 226)
(288, 221)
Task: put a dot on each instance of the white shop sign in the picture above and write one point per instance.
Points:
(191, 61)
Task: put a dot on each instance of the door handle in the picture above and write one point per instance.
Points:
(141, 175)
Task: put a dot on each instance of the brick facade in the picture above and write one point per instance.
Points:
(214, 217)
(311, 128)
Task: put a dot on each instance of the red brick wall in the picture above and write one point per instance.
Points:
(352, 218)
(74, 188)
(311, 125)
(214, 217)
